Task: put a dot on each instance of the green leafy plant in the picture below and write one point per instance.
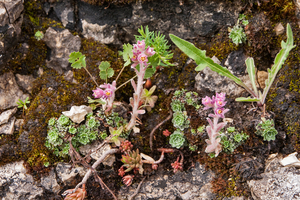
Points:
(22, 104)
(180, 120)
(127, 54)
(39, 35)
(266, 129)
(105, 71)
(203, 61)
(237, 33)
(148, 99)
(59, 128)
(231, 139)
(160, 45)
(177, 139)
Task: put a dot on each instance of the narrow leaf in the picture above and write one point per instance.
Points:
(248, 99)
(202, 61)
(251, 71)
(279, 60)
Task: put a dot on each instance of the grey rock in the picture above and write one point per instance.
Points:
(194, 184)
(62, 43)
(10, 27)
(64, 10)
(109, 160)
(105, 34)
(9, 127)
(49, 182)
(6, 115)
(277, 183)
(10, 92)
(3, 15)
(16, 184)
(14, 8)
(279, 29)
(25, 81)
(216, 83)
(66, 175)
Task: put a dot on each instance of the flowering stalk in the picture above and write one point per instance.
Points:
(108, 94)
(139, 58)
(217, 103)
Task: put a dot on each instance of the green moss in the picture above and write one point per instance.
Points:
(108, 2)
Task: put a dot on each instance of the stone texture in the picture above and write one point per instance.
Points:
(49, 182)
(6, 115)
(116, 24)
(109, 160)
(66, 175)
(193, 184)
(279, 29)
(64, 10)
(15, 184)
(62, 43)
(9, 127)
(10, 27)
(25, 82)
(10, 92)
(14, 8)
(277, 182)
(213, 81)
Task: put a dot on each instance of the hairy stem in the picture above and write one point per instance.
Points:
(91, 76)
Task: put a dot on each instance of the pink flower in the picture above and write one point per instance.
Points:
(149, 51)
(207, 102)
(143, 59)
(108, 93)
(98, 93)
(141, 45)
(219, 103)
(127, 180)
(221, 96)
(220, 112)
(154, 166)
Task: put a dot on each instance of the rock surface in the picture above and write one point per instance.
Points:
(16, 184)
(66, 175)
(62, 43)
(6, 115)
(10, 27)
(10, 92)
(193, 184)
(49, 182)
(277, 183)
(9, 127)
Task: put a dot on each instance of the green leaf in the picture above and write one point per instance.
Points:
(251, 71)
(103, 75)
(110, 72)
(149, 72)
(74, 56)
(127, 54)
(202, 61)
(104, 65)
(279, 60)
(248, 99)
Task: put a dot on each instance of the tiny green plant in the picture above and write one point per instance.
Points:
(177, 139)
(203, 61)
(266, 129)
(22, 104)
(39, 35)
(231, 139)
(237, 33)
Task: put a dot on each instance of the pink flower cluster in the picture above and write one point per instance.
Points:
(140, 55)
(107, 93)
(217, 103)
